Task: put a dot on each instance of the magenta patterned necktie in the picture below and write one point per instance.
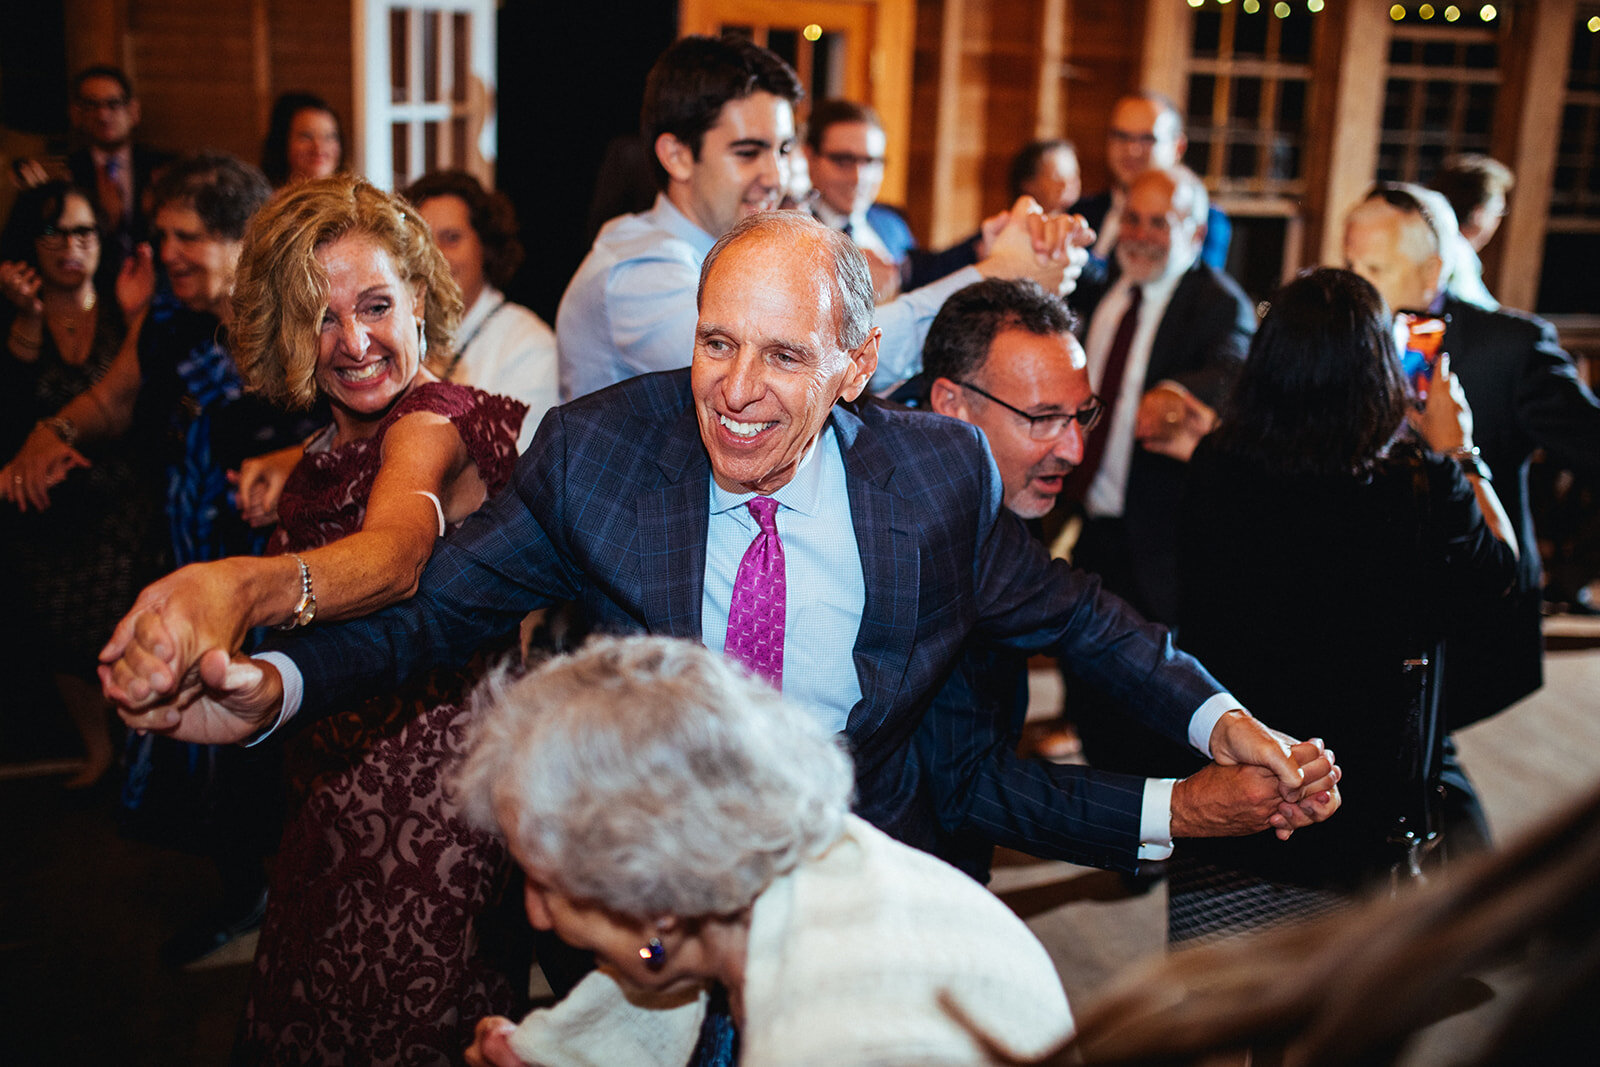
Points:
(755, 617)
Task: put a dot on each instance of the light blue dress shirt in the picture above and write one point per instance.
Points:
(630, 308)
(822, 571)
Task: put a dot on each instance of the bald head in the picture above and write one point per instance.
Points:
(1392, 240)
(1163, 224)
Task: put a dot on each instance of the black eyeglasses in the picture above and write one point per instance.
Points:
(850, 159)
(54, 237)
(114, 103)
(1049, 427)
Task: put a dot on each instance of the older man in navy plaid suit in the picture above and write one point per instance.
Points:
(629, 502)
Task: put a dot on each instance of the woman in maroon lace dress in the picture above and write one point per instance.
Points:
(370, 949)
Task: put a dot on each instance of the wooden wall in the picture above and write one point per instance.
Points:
(207, 72)
(985, 82)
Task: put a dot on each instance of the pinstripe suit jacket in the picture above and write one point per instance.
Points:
(609, 507)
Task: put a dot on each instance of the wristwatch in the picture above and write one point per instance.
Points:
(63, 428)
(1471, 461)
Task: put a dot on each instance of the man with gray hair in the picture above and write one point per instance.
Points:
(1166, 334)
(695, 502)
(1525, 394)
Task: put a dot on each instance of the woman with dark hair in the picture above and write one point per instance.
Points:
(305, 139)
(177, 396)
(75, 567)
(1321, 547)
(503, 347)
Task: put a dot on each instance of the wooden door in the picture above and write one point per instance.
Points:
(857, 49)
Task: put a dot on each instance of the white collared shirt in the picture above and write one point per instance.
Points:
(1108, 491)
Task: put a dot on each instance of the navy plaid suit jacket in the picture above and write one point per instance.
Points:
(609, 507)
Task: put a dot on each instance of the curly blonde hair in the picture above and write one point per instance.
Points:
(281, 290)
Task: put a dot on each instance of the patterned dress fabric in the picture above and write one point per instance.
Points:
(755, 616)
(373, 950)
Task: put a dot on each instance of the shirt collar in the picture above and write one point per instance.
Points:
(803, 492)
(836, 219)
(669, 218)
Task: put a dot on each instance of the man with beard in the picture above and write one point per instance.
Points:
(1166, 335)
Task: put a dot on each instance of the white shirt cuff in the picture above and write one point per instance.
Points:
(1155, 819)
(1201, 723)
(294, 687)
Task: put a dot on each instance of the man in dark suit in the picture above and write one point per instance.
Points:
(1145, 133)
(111, 167)
(646, 502)
(1165, 335)
(845, 146)
(1525, 394)
(1001, 356)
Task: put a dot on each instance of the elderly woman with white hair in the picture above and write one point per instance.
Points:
(693, 830)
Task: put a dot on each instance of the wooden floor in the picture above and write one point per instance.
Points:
(82, 911)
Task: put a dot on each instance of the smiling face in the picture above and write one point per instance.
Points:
(199, 264)
(742, 166)
(367, 351)
(1158, 237)
(451, 222)
(314, 147)
(848, 170)
(1042, 374)
(74, 262)
(768, 365)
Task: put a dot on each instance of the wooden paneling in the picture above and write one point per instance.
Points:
(1528, 130)
(1104, 55)
(1346, 108)
(207, 72)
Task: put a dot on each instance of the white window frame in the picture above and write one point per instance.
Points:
(376, 114)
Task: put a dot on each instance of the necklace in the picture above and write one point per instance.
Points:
(72, 350)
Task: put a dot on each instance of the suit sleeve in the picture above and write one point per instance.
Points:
(1554, 406)
(507, 559)
(1031, 603)
(1219, 320)
(967, 745)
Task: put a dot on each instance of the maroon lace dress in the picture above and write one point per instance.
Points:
(371, 949)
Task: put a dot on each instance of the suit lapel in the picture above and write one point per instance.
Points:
(890, 565)
(672, 519)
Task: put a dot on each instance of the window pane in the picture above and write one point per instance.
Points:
(1241, 161)
(459, 155)
(399, 57)
(1207, 33)
(1291, 105)
(431, 21)
(1295, 43)
(400, 152)
(430, 147)
(1250, 36)
(1246, 104)
(461, 35)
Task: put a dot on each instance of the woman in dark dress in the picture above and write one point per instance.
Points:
(371, 946)
(1322, 544)
(79, 555)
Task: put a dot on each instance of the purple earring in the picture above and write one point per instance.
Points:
(654, 954)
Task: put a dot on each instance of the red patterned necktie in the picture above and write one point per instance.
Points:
(755, 616)
(1094, 450)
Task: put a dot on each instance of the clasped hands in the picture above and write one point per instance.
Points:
(1048, 249)
(1258, 779)
(173, 664)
